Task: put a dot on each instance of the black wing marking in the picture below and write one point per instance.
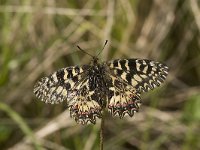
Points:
(58, 86)
(140, 73)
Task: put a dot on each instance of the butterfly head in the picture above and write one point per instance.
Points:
(95, 60)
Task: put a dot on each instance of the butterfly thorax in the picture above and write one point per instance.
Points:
(97, 82)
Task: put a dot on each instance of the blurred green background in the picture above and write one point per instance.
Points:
(39, 37)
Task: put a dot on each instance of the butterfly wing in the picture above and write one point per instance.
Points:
(129, 78)
(59, 86)
(70, 84)
(123, 98)
(83, 106)
(142, 74)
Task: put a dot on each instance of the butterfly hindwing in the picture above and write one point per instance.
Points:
(123, 98)
(140, 73)
(84, 107)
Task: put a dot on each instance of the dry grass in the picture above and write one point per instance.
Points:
(39, 37)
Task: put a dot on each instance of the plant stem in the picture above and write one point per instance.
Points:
(102, 130)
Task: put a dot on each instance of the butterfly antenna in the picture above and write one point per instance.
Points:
(84, 51)
(102, 48)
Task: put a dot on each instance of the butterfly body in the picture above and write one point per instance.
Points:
(115, 86)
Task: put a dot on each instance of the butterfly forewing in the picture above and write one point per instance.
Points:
(58, 86)
(142, 74)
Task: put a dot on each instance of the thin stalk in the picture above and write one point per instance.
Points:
(102, 130)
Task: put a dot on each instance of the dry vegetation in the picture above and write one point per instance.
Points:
(39, 37)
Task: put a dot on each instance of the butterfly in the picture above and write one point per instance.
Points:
(115, 86)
